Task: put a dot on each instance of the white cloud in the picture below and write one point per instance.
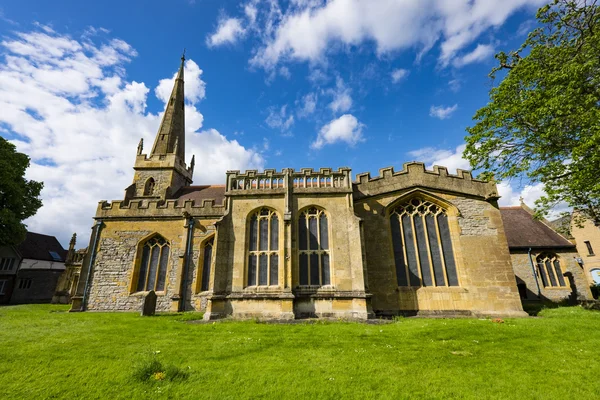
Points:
(442, 112)
(308, 105)
(195, 87)
(481, 53)
(279, 118)
(228, 31)
(451, 159)
(308, 30)
(455, 85)
(399, 74)
(66, 103)
(343, 129)
(342, 101)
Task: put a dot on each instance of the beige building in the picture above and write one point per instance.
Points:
(587, 238)
(291, 244)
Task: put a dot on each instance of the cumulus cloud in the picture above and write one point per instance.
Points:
(195, 87)
(67, 104)
(308, 105)
(442, 112)
(481, 53)
(278, 118)
(307, 30)
(343, 129)
(229, 31)
(399, 74)
(451, 159)
(342, 101)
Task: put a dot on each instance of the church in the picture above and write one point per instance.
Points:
(310, 243)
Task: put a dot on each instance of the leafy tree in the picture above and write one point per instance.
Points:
(543, 118)
(19, 198)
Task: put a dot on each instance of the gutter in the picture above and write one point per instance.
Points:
(534, 274)
(186, 263)
(86, 290)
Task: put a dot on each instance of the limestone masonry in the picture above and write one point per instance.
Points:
(309, 243)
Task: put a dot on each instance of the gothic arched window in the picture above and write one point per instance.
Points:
(149, 187)
(550, 271)
(263, 248)
(423, 251)
(153, 266)
(206, 261)
(313, 248)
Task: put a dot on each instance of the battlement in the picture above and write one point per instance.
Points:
(158, 209)
(305, 180)
(415, 174)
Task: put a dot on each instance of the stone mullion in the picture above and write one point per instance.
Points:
(148, 265)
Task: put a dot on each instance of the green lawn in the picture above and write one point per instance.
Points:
(46, 352)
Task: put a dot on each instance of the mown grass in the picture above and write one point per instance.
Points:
(46, 352)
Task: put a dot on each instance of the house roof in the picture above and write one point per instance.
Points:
(523, 231)
(42, 247)
(200, 193)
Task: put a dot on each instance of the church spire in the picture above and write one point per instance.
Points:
(171, 134)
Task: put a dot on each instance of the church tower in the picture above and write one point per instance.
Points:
(162, 173)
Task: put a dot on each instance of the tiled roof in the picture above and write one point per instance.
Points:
(199, 193)
(523, 231)
(39, 247)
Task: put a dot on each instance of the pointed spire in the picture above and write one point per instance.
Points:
(171, 133)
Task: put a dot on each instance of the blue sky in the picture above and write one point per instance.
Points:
(305, 83)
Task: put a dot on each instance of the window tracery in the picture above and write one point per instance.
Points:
(263, 248)
(423, 252)
(313, 248)
(152, 271)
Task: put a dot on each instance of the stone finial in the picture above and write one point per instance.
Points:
(140, 146)
(521, 200)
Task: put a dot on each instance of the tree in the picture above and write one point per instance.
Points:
(543, 118)
(19, 198)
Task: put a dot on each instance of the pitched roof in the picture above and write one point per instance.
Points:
(40, 247)
(200, 193)
(523, 231)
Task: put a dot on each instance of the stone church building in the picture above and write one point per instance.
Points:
(291, 244)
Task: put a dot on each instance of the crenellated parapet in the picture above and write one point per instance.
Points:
(158, 209)
(307, 180)
(414, 174)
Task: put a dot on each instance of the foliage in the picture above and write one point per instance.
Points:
(89, 356)
(151, 369)
(595, 290)
(543, 119)
(19, 198)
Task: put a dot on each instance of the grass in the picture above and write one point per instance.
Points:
(47, 353)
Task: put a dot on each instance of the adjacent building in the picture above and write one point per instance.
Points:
(546, 264)
(29, 271)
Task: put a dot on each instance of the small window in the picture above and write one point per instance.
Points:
(55, 256)
(208, 248)
(149, 187)
(6, 264)
(549, 269)
(589, 248)
(25, 283)
(3, 286)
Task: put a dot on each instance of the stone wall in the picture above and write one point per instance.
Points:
(576, 289)
(486, 280)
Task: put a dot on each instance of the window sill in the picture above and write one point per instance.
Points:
(144, 293)
(557, 288)
(432, 288)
